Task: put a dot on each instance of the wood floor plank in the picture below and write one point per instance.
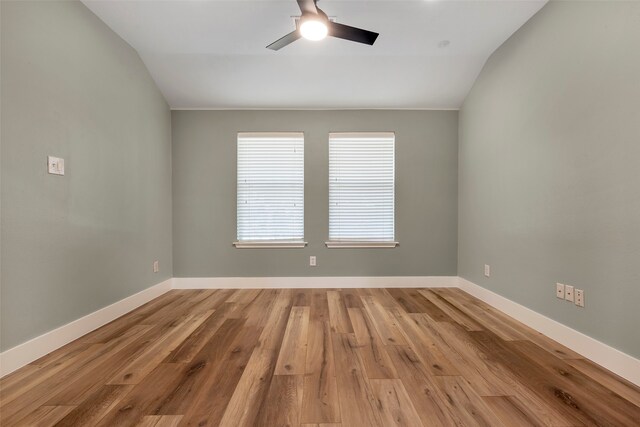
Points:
(563, 389)
(75, 369)
(144, 397)
(608, 379)
(115, 328)
(469, 407)
(135, 371)
(31, 376)
(160, 421)
(512, 412)
(413, 302)
(320, 389)
(427, 307)
(516, 328)
(424, 345)
(407, 303)
(45, 416)
(60, 355)
(376, 361)
(149, 421)
(351, 298)
(380, 296)
(210, 399)
(319, 359)
(293, 352)
(457, 315)
(258, 310)
(91, 410)
(24, 374)
(468, 358)
(384, 322)
(65, 359)
(194, 375)
(595, 401)
(489, 378)
(394, 404)
(256, 378)
(169, 421)
(430, 404)
(320, 398)
(506, 327)
(245, 296)
(302, 297)
(316, 357)
(188, 348)
(358, 404)
(14, 404)
(187, 306)
(137, 353)
(481, 314)
(338, 316)
(251, 390)
(319, 305)
(283, 402)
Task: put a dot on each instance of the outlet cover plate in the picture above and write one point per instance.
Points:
(55, 165)
(568, 293)
(579, 297)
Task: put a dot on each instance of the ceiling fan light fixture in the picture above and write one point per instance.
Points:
(313, 28)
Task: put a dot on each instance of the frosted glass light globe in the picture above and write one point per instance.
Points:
(313, 29)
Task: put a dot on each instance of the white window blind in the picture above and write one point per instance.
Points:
(361, 187)
(270, 187)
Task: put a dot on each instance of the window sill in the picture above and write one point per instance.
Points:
(361, 245)
(270, 245)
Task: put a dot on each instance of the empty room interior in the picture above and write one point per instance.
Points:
(335, 213)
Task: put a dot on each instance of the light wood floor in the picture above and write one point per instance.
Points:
(367, 357)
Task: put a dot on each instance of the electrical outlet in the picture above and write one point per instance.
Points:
(487, 270)
(568, 293)
(55, 165)
(156, 266)
(579, 297)
(560, 290)
(312, 261)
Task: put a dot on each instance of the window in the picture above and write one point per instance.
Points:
(270, 190)
(361, 189)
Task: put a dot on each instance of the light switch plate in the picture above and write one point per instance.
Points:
(560, 290)
(487, 270)
(55, 165)
(156, 266)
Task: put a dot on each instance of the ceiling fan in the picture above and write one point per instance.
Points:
(314, 24)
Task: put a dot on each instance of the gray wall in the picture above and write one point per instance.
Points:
(74, 244)
(550, 168)
(204, 194)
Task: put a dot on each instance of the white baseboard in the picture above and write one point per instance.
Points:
(37, 347)
(614, 360)
(315, 282)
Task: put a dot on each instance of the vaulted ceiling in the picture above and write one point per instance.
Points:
(211, 53)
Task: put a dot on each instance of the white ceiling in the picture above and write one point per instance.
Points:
(211, 53)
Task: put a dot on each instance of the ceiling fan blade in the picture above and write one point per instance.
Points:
(307, 6)
(283, 41)
(352, 33)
